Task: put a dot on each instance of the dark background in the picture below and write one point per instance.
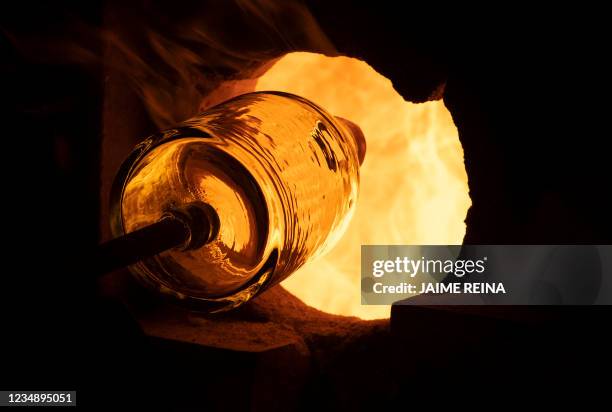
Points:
(528, 89)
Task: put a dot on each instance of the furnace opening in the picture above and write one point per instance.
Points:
(413, 180)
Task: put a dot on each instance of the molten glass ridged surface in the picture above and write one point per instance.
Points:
(281, 174)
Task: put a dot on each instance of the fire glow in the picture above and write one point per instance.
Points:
(413, 180)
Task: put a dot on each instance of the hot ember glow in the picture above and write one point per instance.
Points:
(413, 180)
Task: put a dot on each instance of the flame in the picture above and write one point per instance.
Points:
(413, 181)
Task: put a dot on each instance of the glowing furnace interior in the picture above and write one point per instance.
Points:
(413, 181)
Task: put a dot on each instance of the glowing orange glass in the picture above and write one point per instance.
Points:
(280, 172)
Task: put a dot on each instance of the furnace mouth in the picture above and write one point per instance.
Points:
(413, 180)
(413, 183)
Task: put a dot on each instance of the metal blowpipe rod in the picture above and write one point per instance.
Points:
(188, 227)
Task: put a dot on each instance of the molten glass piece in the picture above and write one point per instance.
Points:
(280, 173)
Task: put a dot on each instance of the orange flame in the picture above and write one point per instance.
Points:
(413, 181)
